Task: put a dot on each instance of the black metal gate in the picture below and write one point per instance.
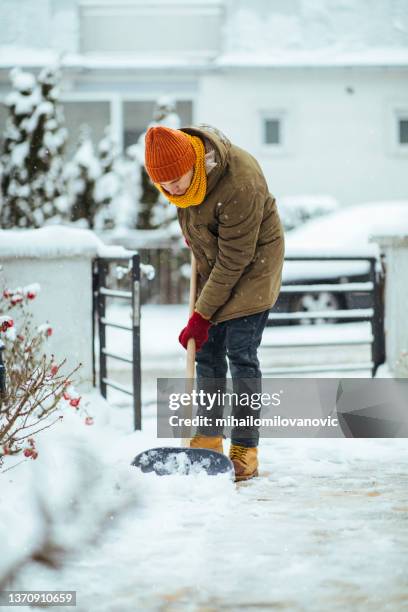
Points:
(371, 287)
(101, 292)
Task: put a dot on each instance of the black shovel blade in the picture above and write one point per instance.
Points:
(167, 460)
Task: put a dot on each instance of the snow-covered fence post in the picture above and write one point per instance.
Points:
(60, 260)
(395, 248)
(136, 370)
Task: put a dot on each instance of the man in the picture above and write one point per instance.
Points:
(230, 221)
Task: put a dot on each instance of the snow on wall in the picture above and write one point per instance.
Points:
(55, 242)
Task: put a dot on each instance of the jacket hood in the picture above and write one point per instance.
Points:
(221, 145)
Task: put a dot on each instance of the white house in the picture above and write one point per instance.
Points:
(317, 91)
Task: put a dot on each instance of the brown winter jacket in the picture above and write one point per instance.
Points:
(235, 234)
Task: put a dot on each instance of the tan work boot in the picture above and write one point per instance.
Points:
(245, 461)
(211, 442)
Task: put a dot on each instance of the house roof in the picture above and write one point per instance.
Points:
(241, 34)
(25, 57)
(274, 58)
(320, 57)
(318, 33)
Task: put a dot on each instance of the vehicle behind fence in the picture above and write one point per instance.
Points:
(362, 300)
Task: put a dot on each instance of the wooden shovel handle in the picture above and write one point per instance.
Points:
(191, 350)
(190, 367)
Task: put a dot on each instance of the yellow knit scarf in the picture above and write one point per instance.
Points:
(195, 194)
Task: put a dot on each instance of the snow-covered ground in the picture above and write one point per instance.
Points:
(324, 528)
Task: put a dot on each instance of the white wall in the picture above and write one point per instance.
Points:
(338, 143)
(65, 302)
(60, 260)
(395, 248)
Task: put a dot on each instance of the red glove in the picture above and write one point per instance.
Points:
(197, 328)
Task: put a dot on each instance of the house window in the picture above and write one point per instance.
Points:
(272, 132)
(396, 127)
(403, 130)
(275, 131)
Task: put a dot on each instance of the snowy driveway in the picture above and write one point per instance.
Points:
(324, 529)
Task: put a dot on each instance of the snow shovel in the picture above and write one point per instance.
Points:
(167, 460)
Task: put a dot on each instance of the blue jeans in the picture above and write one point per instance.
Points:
(238, 339)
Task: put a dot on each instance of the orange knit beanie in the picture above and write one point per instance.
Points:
(168, 154)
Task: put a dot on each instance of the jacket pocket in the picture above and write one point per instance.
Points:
(208, 243)
(206, 235)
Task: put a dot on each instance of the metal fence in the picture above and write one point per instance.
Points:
(372, 288)
(101, 292)
(170, 284)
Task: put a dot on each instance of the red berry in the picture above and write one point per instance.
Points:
(75, 402)
(28, 452)
(54, 370)
(49, 331)
(31, 295)
(89, 420)
(66, 396)
(6, 324)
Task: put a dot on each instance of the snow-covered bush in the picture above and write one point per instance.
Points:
(102, 188)
(154, 210)
(127, 202)
(71, 495)
(36, 389)
(69, 498)
(32, 182)
(81, 174)
(108, 184)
